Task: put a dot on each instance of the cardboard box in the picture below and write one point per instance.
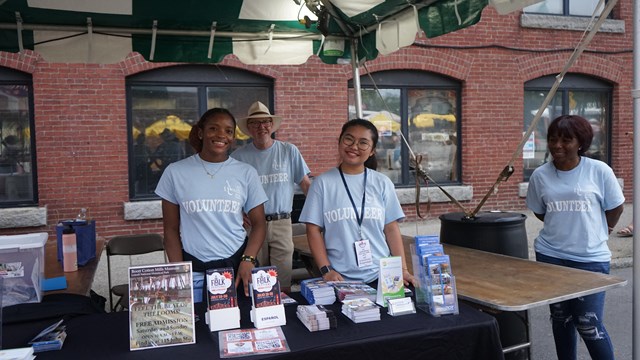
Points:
(22, 267)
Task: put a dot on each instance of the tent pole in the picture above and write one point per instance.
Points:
(170, 32)
(357, 89)
(635, 333)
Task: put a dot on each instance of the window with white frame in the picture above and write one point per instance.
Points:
(17, 156)
(424, 109)
(565, 7)
(163, 105)
(577, 95)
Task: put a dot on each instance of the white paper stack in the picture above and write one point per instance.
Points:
(361, 310)
(25, 353)
(316, 317)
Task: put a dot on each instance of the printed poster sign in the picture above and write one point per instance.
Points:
(161, 306)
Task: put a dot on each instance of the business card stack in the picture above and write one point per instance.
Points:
(317, 291)
(361, 310)
(316, 317)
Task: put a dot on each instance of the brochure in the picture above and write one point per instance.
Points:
(390, 282)
(221, 289)
(265, 286)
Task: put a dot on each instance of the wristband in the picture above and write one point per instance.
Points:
(250, 259)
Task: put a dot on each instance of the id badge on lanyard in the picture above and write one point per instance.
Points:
(362, 247)
(363, 253)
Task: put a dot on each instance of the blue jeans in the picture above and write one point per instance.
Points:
(582, 315)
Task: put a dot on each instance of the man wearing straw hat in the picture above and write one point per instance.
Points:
(280, 166)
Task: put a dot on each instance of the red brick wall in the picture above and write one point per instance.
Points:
(80, 112)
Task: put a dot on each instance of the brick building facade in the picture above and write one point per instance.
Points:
(80, 113)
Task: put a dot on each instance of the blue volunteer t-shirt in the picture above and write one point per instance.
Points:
(573, 203)
(211, 210)
(328, 206)
(279, 167)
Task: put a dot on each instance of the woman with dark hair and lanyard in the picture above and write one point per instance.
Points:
(580, 201)
(353, 207)
(203, 200)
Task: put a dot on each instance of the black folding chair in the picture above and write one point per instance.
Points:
(128, 245)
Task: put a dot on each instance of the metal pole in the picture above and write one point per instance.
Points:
(635, 334)
(357, 88)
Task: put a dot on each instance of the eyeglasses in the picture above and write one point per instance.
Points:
(257, 124)
(349, 140)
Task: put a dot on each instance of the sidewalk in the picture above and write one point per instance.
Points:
(621, 247)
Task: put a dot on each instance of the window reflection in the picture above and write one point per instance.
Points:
(581, 95)
(162, 116)
(16, 169)
(426, 118)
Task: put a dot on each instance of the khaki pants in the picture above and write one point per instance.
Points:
(277, 249)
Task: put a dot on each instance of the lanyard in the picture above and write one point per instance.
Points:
(353, 203)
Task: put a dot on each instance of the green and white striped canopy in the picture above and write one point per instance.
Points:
(199, 31)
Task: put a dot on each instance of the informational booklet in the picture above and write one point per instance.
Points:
(221, 289)
(265, 286)
(245, 342)
(390, 281)
(161, 306)
(442, 287)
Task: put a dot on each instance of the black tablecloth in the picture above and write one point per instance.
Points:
(469, 335)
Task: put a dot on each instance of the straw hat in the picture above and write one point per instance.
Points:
(258, 110)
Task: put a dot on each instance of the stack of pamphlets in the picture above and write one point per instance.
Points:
(221, 289)
(437, 291)
(317, 291)
(50, 338)
(265, 287)
(287, 300)
(361, 310)
(316, 317)
(347, 290)
(442, 285)
(25, 353)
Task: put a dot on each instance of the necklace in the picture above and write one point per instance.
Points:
(207, 171)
